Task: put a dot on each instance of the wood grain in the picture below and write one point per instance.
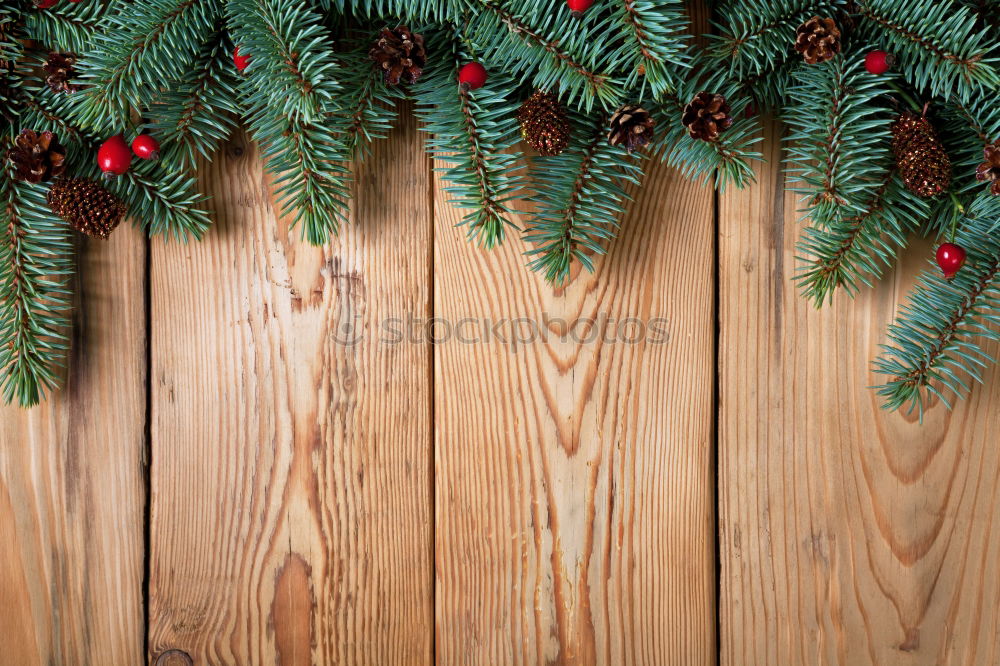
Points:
(848, 535)
(574, 487)
(72, 482)
(291, 471)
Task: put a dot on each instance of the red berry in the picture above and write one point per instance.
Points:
(113, 156)
(578, 7)
(879, 62)
(241, 61)
(45, 4)
(472, 76)
(950, 258)
(146, 147)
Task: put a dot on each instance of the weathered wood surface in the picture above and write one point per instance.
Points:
(291, 468)
(72, 482)
(848, 535)
(491, 502)
(574, 478)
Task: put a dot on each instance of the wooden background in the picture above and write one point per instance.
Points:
(224, 482)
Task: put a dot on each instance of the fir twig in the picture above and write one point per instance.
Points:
(36, 265)
(144, 46)
(474, 134)
(292, 100)
(196, 114)
(568, 64)
(579, 196)
(932, 346)
(943, 50)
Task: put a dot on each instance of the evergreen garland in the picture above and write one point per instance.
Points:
(628, 75)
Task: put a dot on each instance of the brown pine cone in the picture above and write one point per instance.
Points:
(706, 116)
(632, 127)
(87, 206)
(400, 54)
(990, 169)
(37, 156)
(59, 70)
(544, 124)
(920, 156)
(818, 40)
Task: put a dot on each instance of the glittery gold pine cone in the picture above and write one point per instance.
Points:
(920, 156)
(88, 207)
(544, 124)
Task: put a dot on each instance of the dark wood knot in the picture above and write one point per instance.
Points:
(174, 658)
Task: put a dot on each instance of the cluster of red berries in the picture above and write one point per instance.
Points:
(114, 156)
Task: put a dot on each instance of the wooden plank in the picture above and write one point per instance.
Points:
(72, 482)
(848, 535)
(291, 471)
(574, 482)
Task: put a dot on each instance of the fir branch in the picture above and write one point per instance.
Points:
(425, 10)
(196, 114)
(292, 100)
(369, 101)
(36, 265)
(933, 344)
(473, 139)
(144, 46)
(840, 139)
(964, 129)
(164, 204)
(756, 35)
(727, 159)
(942, 49)
(512, 34)
(68, 27)
(579, 196)
(856, 249)
(654, 50)
(43, 110)
(11, 50)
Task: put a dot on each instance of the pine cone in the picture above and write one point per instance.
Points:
(920, 157)
(818, 40)
(544, 124)
(59, 70)
(88, 207)
(37, 156)
(706, 116)
(990, 169)
(400, 54)
(631, 126)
